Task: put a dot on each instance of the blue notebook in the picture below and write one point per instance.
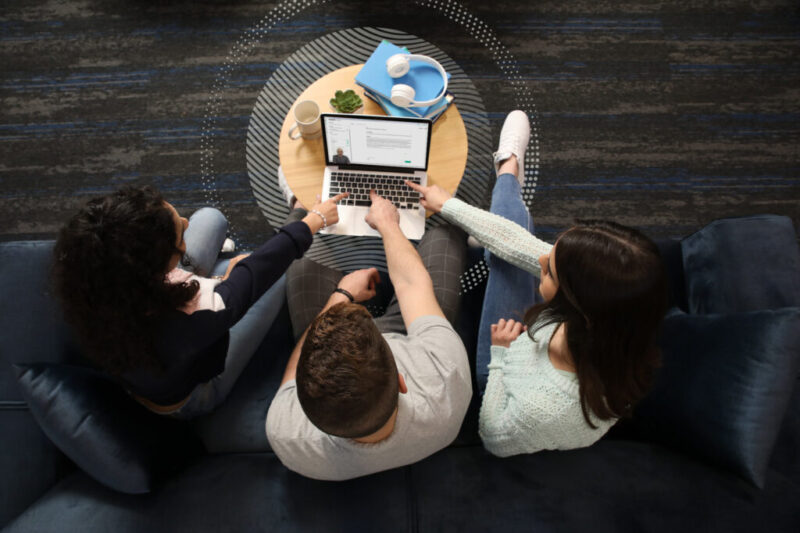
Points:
(425, 79)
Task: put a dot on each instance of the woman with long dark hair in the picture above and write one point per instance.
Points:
(598, 296)
(175, 338)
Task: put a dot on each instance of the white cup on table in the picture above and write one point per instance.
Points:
(307, 121)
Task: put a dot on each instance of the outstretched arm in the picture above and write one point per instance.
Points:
(412, 283)
(506, 239)
(248, 277)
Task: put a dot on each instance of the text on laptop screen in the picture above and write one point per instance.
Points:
(382, 142)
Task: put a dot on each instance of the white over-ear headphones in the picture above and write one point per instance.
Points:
(402, 94)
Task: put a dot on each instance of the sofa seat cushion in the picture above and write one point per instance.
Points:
(105, 432)
(611, 486)
(30, 463)
(232, 492)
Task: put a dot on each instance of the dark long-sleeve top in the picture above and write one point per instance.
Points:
(193, 347)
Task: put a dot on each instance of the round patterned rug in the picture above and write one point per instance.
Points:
(301, 69)
(342, 48)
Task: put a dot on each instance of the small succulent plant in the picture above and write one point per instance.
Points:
(346, 101)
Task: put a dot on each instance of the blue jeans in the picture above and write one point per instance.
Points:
(204, 238)
(510, 291)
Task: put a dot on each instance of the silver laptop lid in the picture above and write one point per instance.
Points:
(376, 142)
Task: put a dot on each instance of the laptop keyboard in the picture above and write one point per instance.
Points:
(390, 186)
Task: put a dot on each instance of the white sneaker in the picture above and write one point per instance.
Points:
(287, 192)
(228, 246)
(514, 139)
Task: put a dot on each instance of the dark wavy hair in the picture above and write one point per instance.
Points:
(109, 272)
(611, 298)
(346, 374)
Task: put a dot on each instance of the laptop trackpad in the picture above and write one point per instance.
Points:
(351, 222)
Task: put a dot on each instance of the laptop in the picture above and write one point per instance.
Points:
(364, 152)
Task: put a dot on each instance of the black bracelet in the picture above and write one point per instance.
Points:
(346, 293)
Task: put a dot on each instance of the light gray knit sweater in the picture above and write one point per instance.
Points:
(528, 405)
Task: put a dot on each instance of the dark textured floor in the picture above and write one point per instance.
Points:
(661, 116)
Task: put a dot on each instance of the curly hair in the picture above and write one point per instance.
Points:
(611, 297)
(347, 379)
(109, 272)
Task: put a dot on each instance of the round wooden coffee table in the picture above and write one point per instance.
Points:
(303, 161)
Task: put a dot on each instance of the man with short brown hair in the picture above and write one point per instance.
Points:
(347, 384)
(360, 395)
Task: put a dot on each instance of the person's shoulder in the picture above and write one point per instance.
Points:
(432, 355)
(436, 336)
(285, 417)
(431, 324)
(299, 445)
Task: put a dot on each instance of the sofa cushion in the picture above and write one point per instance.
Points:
(724, 386)
(742, 264)
(672, 257)
(31, 325)
(228, 493)
(611, 486)
(97, 425)
(30, 463)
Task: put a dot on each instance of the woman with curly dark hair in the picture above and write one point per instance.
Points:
(176, 339)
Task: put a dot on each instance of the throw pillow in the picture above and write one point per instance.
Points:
(742, 264)
(105, 432)
(724, 386)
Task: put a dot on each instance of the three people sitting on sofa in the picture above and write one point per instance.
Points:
(361, 395)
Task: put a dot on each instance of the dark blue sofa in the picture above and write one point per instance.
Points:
(715, 447)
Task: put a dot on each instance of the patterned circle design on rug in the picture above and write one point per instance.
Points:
(304, 67)
(453, 11)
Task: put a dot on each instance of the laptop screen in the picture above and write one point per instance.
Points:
(376, 141)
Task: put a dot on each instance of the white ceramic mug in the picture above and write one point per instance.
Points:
(307, 122)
